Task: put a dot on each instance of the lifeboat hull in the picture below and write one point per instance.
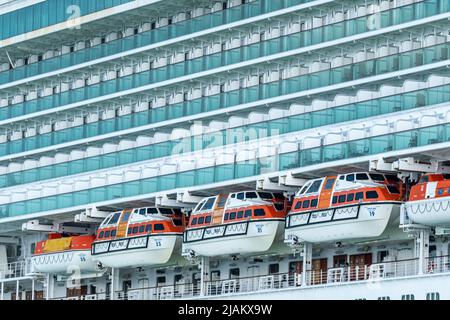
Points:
(234, 238)
(334, 224)
(137, 251)
(64, 262)
(431, 212)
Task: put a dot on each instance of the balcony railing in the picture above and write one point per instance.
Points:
(16, 269)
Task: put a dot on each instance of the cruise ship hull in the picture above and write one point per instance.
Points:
(349, 222)
(137, 251)
(237, 238)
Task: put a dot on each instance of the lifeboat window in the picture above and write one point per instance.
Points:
(222, 202)
(209, 204)
(394, 189)
(207, 220)
(142, 211)
(152, 210)
(329, 184)
(359, 196)
(334, 199)
(341, 177)
(233, 195)
(232, 215)
(440, 192)
(141, 229)
(279, 206)
(101, 234)
(248, 213)
(252, 195)
(302, 191)
(314, 202)
(125, 216)
(115, 218)
(350, 177)
(392, 177)
(278, 196)
(423, 179)
(315, 186)
(371, 195)
(159, 227)
(194, 221)
(225, 217)
(305, 204)
(377, 177)
(201, 220)
(177, 222)
(113, 233)
(265, 195)
(165, 211)
(176, 211)
(240, 196)
(135, 230)
(298, 205)
(341, 198)
(107, 234)
(201, 203)
(148, 228)
(130, 231)
(362, 176)
(350, 197)
(240, 214)
(260, 213)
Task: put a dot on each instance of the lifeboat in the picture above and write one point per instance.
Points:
(238, 223)
(139, 237)
(429, 200)
(347, 206)
(64, 255)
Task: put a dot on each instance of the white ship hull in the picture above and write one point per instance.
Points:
(67, 262)
(237, 238)
(349, 222)
(137, 251)
(431, 212)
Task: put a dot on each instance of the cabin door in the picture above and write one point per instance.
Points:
(359, 266)
(325, 194)
(123, 223)
(144, 285)
(319, 271)
(295, 271)
(253, 277)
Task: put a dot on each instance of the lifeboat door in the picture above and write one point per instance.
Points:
(122, 227)
(219, 209)
(326, 192)
(430, 192)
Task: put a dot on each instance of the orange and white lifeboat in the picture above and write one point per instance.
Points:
(239, 223)
(64, 255)
(139, 237)
(348, 206)
(429, 200)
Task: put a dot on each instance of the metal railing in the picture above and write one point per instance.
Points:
(278, 281)
(15, 269)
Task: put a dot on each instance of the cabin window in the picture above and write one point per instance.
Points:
(114, 218)
(350, 197)
(305, 204)
(302, 191)
(135, 230)
(233, 195)
(334, 199)
(234, 273)
(225, 217)
(298, 205)
(141, 229)
(359, 196)
(177, 222)
(371, 195)
(240, 214)
(408, 297)
(207, 219)
(274, 268)
(194, 221)
(152, 210)
(342, 198)
(113, 233)
(259, 213)
(362, 176)
(314, 202)
(315, 186)
(392, 177)
(148, 228)
(165, 211)
(158, 227)
(201, 220)
(248, 213)
(101, 234)
(394, 189)
(440, 192)
(377, 177)
(107, 234)
(232, 215)
(142, 211)
(350, 177)
(265, 195)
(329, 184)
(209, 204)
(433, 296)
(240, 196)
(341, 177)
(251, 195)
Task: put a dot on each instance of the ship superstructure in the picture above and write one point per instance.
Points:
(224, 149)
